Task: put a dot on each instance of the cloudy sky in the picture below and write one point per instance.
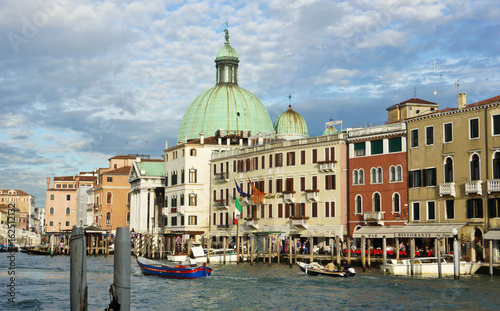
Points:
(81, 81)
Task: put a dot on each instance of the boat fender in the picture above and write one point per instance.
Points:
(351, 270)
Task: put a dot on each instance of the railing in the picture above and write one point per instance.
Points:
(221, 176)
(312, 195)
(300, 222)
(288, 197)
(222, 226)
(474, 186)
(326, 166)
(447, 189)
(253, 222)
(373, 216)
(493, 185)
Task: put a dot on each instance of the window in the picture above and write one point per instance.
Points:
(450, 209)
(474, 167)
(278, 160)
(431, 210)
(108, 218)
(494, 207)
(474, 128)
(377, 147)
(290, 158)
(448, 132)
(414, 138)
(182, 199)
(51, 223)
(396, 203)
(289, 184)
(192, 199)
(302, 183)
(429, 135)
(416, 211)
(314, 209)
(68, 223)
(496, 124)
(270, 161)
(109, 197)
(182, 176)
(429, 177)
(263, 162)
(359, 204)
(52, 197)
(395, 144)
(51, 211)
(359, 149)
(302, 157)
(68, 197)
(361, 177)
(392, 174)
(173, 221)
(379, 175)
(329, 182)
(68, 211)
(192, 220)
(496, 165)
(192, 175)
(414, 180)
(279, 185)
(280, 210)
(376, 204)
(448, 170)
(192, 152)
(373, 175)
(399, 173)
(315, 156)
(127, 219)
(109, 179)
(355, 177)
(475, 208)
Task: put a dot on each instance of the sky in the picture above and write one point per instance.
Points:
(82, 81)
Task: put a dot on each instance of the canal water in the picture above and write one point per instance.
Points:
(42, 283)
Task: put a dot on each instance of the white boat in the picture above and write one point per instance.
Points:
(428, 266)
(217, 255)
(197, 253)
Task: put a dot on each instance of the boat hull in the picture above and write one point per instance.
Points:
(174, 271)
(314, 271)
(403, 267)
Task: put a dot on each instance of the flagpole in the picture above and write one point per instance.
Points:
(237, 243)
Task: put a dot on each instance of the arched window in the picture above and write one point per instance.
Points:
(396, 203)
(51, 210)
(376, 202)
(192, 175)
(108, 218)
(474, 167)
(399, 173)
(109, 197)
(496, 165)
(192, 152)
(373, 175)
(68, 211)
(448, 170)
(359, 204)
(392, 174)
(355, 177)
(379, 175)
(361, 176)
(192, 199)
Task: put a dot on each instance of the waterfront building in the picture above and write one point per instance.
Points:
(23, 201)
(147, 194)
(378, 180)
(454, 171)
(5, 214)
(110, 193)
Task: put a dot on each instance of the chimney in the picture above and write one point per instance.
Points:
(462, 100)
(166, 144)
(48, 183)
(77, 182)
(202, 138)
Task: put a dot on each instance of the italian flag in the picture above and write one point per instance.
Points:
(238, 211)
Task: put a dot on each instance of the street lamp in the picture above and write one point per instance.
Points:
(456, 256)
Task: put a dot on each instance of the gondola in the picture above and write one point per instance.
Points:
(317, 269)
(175, 270)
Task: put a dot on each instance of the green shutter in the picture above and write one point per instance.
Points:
(395, 144)
(377, 147)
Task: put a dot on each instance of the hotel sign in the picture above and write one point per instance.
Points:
(421, 235)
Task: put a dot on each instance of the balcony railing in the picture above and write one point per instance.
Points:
(253, 222)
(221, 177)
(164, 210)
(327, 166)
(288, 197)
(493, 185)
(447, 189)
(300, 222)
(222, 226)
(474, 187)
(312, 195)
(374, 216)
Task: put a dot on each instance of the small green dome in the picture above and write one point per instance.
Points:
(330, 131)
(227, 52)
(290, 125)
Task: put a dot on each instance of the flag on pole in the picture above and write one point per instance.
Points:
(258, 196)
(239, 190)
(238, 210)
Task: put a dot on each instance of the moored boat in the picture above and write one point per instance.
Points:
(428, 266)
(37, 250)
(317, 269)
(179, 270)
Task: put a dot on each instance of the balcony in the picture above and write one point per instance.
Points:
(253, 223)
(219, 203)
(219, 227)
(181, 210)
(246, 200)
(221, 177)
(474, 187)
(447, 189)
(164, 211)
(374, 217)
(312, 195)
(300, 222)
(288, 196)
(493, 185)
(327, 166)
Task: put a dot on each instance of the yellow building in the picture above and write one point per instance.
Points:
(22, 200)
(454, 171)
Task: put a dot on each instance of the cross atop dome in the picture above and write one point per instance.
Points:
(226, 31)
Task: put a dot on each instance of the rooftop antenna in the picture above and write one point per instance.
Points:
(434, 80)
(457, 84)
(290, 100)
(126, 147)
(414, 92)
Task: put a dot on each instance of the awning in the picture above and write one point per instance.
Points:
(410, 231)
(493, 234)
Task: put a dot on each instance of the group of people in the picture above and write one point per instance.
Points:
(332, 267)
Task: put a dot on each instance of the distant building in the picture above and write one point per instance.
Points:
(23, 201)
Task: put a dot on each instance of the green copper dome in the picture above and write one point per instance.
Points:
(226, 106)
(330, 131)
(290, 125)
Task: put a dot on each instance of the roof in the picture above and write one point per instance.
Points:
(124, 170)
(485, 102)
(413, 101)
(151, 168)
(493, 234)
(291, 122)
(123, 157)
(18, 192)
(409, 231)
